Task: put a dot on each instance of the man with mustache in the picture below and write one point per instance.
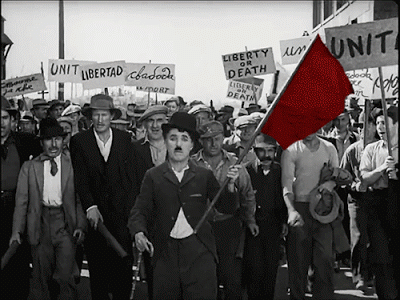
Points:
(235, 206)
(175, 195)
(261, 253)
(47, 208)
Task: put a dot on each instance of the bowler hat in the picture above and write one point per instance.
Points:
(101, 101)
(153, 110)
(183, 121)
(211, 129)
(49, 127)
(227, 109)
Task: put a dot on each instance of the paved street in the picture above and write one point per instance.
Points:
(344, 288)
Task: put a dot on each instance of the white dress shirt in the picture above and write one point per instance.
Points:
(52, 184)
(182, 228)
(104, 147)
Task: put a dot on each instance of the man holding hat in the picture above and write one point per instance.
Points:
(235, 205)
(16, 148)
(107, 183)
(309, 242)
(175, 195)
(47, 208)
(262, 252)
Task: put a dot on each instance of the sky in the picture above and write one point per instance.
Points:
(192, 35)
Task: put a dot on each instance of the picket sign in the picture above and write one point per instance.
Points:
(23, 85)
(246, 90)
(62, 70)
(292, 50)
(102, 75)
(369, 45)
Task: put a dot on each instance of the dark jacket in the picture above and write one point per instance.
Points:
(161, 197)
(111, 185)
(27, 145)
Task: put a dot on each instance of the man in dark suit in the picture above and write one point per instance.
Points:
(16, 148)
(47, 208)
(107, 183)
(176, 194)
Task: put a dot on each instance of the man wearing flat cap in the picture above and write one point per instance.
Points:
(107, 183)
(203, 115)
(235, 206)
(46, 207)
(56, 108)
(175, 195)
(16, 148)
(244, 128)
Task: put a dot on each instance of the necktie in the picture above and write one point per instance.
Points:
(53, 169)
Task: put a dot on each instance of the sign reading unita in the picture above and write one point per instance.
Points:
(62, 70)
(242, 89)
(157, 78)
(102, 75)
(23, 85)
(249, 63)
(365, 45)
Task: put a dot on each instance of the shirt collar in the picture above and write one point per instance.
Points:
(98, 138)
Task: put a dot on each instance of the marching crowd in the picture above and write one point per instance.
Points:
(148, 175)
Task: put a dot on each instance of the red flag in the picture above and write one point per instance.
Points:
(313, 97)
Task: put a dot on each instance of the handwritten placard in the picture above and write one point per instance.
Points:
(62, 70)
(365, 45)
(157, 78)
(23, 85)
(242, 89)
(249, 63)
(292, 50)
(102, 75)
(366, 83)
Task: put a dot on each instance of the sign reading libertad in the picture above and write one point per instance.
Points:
(103, 75)
(365, 45)
(157, 78)
(249, 63)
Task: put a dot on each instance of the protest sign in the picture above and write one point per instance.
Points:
(102, 75)
(292, 50)
(62, 70)
(365, 45)
(249, 63)
(157, 78)
(241, 89)
(23, 85)
(366, 83)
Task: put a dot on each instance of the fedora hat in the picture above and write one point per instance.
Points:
(104, 102)
(49, 127)
(183, 121)
(39, 102)
(325, 206)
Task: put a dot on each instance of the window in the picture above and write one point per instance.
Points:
(317, 6)
(340, 3)
(328, 8)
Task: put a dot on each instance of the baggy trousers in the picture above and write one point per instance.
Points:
(310, 244)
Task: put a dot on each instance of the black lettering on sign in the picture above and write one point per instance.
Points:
(391, 82)
(292, 52)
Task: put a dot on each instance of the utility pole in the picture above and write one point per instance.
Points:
(61, 46)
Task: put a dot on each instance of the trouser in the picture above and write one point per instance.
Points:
(261, 259)
(360, 252)
(109, 273)
(229, 268)
(379, 235)
(310, 244)
(53, 258)
(186, 269)
(17, 269)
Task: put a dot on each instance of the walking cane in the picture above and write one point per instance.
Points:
(135, 275)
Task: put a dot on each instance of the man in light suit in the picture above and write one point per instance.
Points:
(46, 206)
(105, 166)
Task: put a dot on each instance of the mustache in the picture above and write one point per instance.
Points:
(267, 158)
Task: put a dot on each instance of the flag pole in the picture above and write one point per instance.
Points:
(367, 111)
(384, 108)
(252, 87)
(253, 137)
